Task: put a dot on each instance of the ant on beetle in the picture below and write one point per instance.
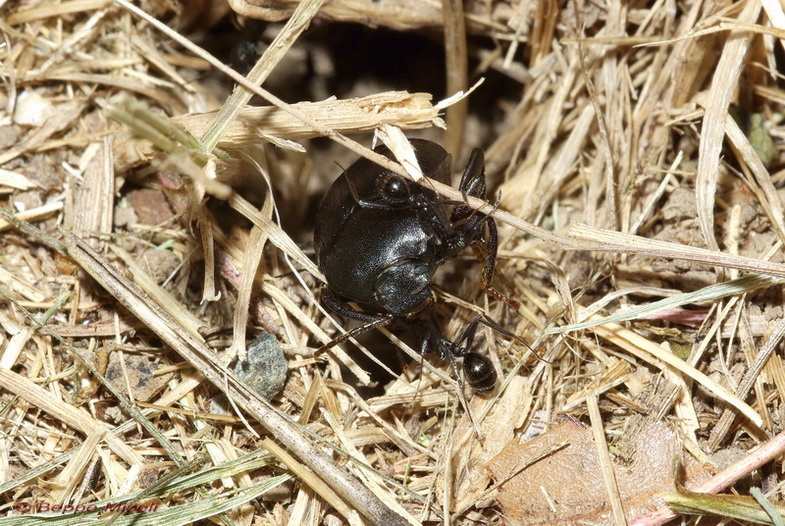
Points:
(380, 238)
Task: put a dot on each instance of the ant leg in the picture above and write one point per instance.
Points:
(477, 368)
(467, 337)
(433, 341)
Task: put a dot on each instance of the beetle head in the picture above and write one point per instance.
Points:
(393, 188)
(388, 190)
(376, 187)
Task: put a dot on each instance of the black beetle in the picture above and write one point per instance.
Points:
(380, 238)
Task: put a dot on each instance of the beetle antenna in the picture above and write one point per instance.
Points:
(352, 189)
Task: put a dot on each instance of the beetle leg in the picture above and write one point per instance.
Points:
(492, 246)
(473, 220)
(491, 242)
(344, 337)
(334, 303)
(467, 221)
(473, 179)
(473, 184)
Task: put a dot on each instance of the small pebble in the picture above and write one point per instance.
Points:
(264, 367)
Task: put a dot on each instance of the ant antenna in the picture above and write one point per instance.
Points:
(488, 322)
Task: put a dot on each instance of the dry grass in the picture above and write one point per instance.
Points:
(636, 148)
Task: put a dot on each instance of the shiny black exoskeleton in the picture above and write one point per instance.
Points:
(380, 238)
